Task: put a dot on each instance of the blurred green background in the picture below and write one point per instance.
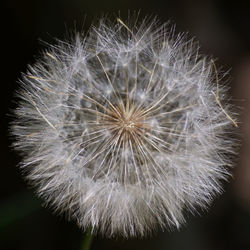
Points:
(223, 29)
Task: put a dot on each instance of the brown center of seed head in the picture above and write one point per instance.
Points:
(127, 119)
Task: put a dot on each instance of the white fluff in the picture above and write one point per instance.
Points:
(124, 129)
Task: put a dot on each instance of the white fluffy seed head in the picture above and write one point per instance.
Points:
(125, 128)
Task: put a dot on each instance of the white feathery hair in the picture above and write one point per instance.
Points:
(125, 128)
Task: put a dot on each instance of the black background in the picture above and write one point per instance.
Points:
(223, 29)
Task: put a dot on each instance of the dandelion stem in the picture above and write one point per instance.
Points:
(87, 240)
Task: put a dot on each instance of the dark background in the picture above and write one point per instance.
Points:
(223, 29)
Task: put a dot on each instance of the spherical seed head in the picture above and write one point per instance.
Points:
(124, 129)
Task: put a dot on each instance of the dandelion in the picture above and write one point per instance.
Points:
(125, 128)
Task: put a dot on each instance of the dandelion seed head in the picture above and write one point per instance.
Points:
(124, 128)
